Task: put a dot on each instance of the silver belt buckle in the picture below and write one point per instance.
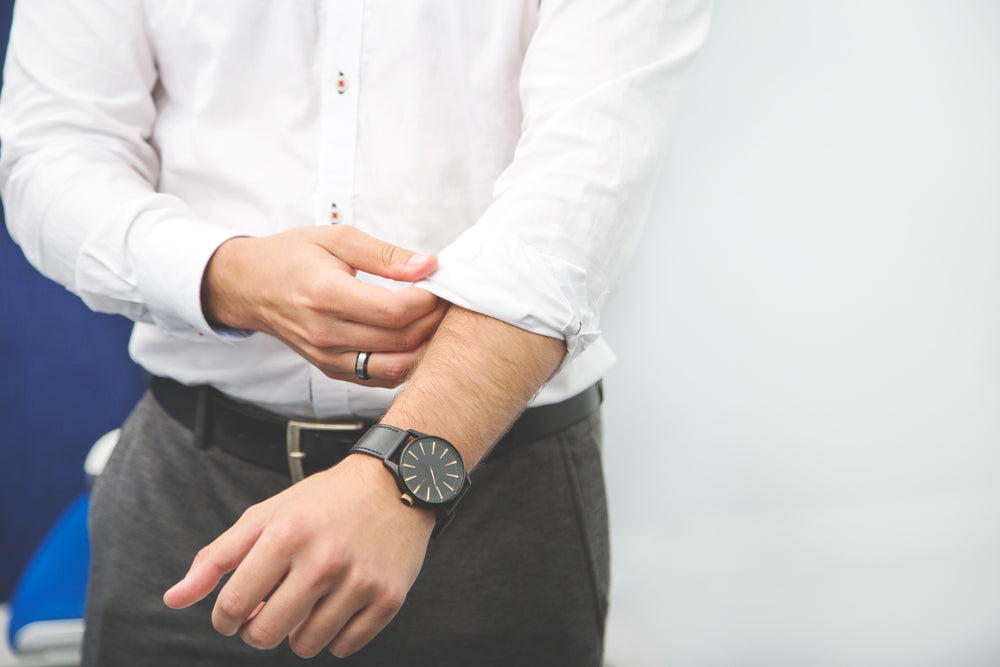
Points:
(293, 441)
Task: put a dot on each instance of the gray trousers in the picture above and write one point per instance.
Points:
(526, 559)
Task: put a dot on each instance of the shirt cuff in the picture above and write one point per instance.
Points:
(493, 272)
(174, 255)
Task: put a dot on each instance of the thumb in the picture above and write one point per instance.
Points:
(371, 255)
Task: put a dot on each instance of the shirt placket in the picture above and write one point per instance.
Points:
(341, 29)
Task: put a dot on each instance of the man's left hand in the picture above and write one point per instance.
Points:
(326, 563)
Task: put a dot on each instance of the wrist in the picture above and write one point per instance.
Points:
(375, 477)
(223, 296)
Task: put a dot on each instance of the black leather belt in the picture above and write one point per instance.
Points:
(299, 447)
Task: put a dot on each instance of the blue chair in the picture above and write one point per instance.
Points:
(46, 608)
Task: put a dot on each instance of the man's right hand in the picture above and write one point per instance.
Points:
(300, 287)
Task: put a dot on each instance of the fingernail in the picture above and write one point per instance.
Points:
(260, 605)
(417, 259)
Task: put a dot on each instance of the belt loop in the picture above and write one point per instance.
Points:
(202, 419)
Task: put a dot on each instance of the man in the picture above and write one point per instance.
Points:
(181, 162)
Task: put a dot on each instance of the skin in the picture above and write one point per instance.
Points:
(300, 286)
(343, 547)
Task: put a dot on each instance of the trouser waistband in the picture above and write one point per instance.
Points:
(269, 440)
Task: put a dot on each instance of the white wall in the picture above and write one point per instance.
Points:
(802, 430)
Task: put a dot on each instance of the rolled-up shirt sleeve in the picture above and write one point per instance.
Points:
(78, 170)
(599, 86)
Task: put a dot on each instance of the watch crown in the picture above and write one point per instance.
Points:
(407, 499)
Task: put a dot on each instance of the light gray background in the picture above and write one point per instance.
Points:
(803, 459)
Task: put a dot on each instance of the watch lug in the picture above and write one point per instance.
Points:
(391, 467)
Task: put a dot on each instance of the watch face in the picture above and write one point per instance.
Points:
(431, 470)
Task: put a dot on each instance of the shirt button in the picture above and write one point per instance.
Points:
(334, 214)
(342, 83)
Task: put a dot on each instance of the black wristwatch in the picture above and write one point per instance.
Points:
(429, 470)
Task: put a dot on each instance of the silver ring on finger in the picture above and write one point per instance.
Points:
(361, 365)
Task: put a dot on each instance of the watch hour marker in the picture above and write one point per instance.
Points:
(410, 478)
(433, 445)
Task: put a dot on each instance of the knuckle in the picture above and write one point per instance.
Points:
(389, 600)
(359, 585)
(329, 567)
(334, 368)
(228, 605)
(409, 340)
(320, 336)
(328, 361)
(285, 532)
(396, 371)
(387, 254)
(250, 514)
(302, 648)
(395, 316)
(204, 555)
(345, 648)
(307, 300)
(262, 635)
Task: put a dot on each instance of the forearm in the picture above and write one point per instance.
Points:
(477, 376)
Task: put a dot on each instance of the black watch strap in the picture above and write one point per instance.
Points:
(381, 441)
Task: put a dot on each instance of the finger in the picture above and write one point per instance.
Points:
(356, 301)
(212, 563)
(262, 569)
(333, 345)
(345, 336)
(364, 626)
(392, 368)
(371, 255)
(385, 369)
(283, 611)
(326, 621)
(351, 337)
(420, 328)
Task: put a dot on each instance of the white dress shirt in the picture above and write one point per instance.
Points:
(517, 139)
